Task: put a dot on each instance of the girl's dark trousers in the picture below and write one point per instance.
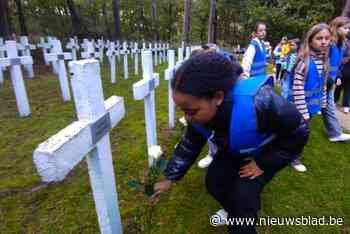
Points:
(240, 197)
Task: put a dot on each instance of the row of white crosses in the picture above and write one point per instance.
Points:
(169, 76)
(89, 136)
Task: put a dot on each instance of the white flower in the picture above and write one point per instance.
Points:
(183, 121)
(155, 151)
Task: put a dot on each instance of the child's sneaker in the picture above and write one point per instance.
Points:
(183, 121)
(346, 110)
(220, 217)
(296, 164)
(341, 137)
(205, 162)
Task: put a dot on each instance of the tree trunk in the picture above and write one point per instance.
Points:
(170, 25)
(186, 24)
(4, 24)
(155, 24)
(22, 22)
(346, 9)
(76, 21)
(115, 9)
(212, 16)
(105, 17)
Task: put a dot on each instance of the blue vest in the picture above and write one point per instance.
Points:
(314, 84)
(244, 137)
(259, 62)
(335, 57)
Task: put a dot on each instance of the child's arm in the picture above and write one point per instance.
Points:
(248, 60)
(299, 90)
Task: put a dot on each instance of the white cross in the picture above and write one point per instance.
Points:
(125, 52)
(87, 138)
(112, 53)
(54, 65)
(15, 62)
(136, 52)
(155, 50)
(25, 47)
(74, 47)
(44, 48)
(118, 46)
(89, 50)
(180, 54)
(100, 46)
(57, 57)
(144, 89)
(188, 52)
(2, 55)
(143, 46)
(169, 75)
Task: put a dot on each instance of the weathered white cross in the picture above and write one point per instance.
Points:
(15, 62)
(57, 57)
(144, 89)
(136, 52)
(112, 53)
(73, 46)
(87, 138)
(2, 55)
(100, 47)
(169, 75)
(125, 52)
(89, 52)
(44, 48)
(25, 47)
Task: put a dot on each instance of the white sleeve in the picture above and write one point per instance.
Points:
(248, 60)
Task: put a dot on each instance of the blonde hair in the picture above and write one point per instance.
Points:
(334, 25)
(305, 50)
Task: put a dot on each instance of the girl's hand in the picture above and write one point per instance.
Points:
(250, 170)
(159, 188)
(338, 83)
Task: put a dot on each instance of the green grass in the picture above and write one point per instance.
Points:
(68, 206)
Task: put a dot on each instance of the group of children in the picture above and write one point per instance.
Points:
(252, 132)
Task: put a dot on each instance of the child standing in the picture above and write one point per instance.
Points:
(254, 59)
(309, 83)
(339, 29)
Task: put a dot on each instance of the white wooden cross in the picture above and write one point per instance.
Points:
(125, 52)
(25, 47)
(15, 62)
(143, 46)
(44, 48)
(144, 89)
(89, 50)
(50, 41)
(112, 53)
(180, 54)
(136, 52)
(169, 75)
(118, 46)
(131, 47)
(2, 55)
(188, 52)
(87, 138)
(155, 50)
(100, 47)
(57, 57)
(73, 46)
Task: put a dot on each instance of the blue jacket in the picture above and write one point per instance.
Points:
(259, 62)
(314, 85)
(274, 115)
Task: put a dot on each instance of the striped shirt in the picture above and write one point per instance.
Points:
(299, 83)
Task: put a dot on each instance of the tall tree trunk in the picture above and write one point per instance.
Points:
(186, 24)
(170, 25)
(76, 21)
(4, 24)
(155, 24)
(117, 30)
(212, 16)
(346, 9)
(105, 17)
(22, 22)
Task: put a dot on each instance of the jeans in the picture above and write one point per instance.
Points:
(329, 117)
